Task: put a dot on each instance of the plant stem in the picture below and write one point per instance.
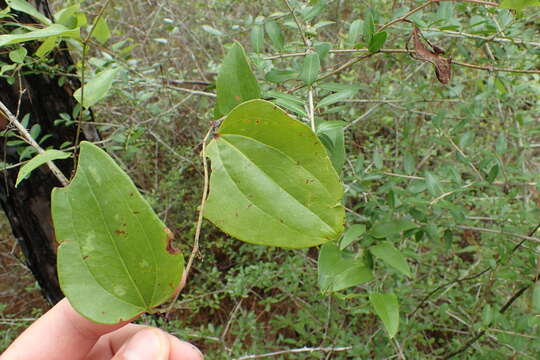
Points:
(28, 138)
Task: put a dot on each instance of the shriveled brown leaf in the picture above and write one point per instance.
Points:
(443, 66)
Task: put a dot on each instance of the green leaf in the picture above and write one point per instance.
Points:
(392, 256)
(212, 30)
(257, 38)
(235, 82)
(115, 258)
(333, 131)
(409, 163)
(338, 272)
(518, 4)
(386, 229)
(25, 7)
(311, 68)
(493, 173)
(500, 145)
(369, 28)
(355, 31)
(274, 178)
(337, 97)
(46, 47)
(274, 33)
(37, 161)
(68, 16)
(433, 185)
(53, 30)
(352, 234)
(97, 88)
(377, 41)
(278, 76)
(322, 49)
(387, 308)
(101, 31)
(18, 55)
(536, 299)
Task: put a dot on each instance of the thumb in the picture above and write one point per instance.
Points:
(147, 344)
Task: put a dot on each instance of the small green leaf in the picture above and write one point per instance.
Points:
(387, 308)
(518, 4)
(409, 163)
(274, 33)
(377, 41)
(322, 49)
(101, 31)
(37, 161)
(338, 271)
(46, 47)
(334, 132)
(392, 256)
(386, 229)
(257, 38)
(355, 31)
(433, 185)
(39, 34)
(25, 7)
(487, 315)
(536, 298)
(115, 258)
(278, 76)
(311, 68)
(212, 30)
(68, 16)
(235, 82)
(274, 178)
(18, 55)
(352, 234)
(501, 146)
(97, 88)
(493, 173)
(337, 97)
(369, 28)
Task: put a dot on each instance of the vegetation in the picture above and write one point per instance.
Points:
(428, 111)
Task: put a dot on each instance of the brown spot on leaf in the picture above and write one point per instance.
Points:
(170, 237)
(120, 232)
(443, 66)
(238, 98)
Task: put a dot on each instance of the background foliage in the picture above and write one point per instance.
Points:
(458, 159)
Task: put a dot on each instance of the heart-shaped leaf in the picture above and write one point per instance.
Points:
(115, 258)
(338, 271)
(387, 308)
(235, 82)
(272, 181)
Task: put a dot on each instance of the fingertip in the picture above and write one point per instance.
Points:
(184, 350)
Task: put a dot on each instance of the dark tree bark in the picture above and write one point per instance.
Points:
(28, 206)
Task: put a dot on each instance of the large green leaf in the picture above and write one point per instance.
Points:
(115, 258)
(272, 182)
(97, 88)
(37, 161)
(235, 82)
(387, 308)
(337, 271)
(274, 33)
(392, 256)
(39, 34)
(25, 7)
(518, 4)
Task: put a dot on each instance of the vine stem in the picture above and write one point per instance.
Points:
(195, 249)
(311, 109)
(28, 138)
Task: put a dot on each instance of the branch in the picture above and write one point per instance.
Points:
(295, 351)
(500, 232)
(304, 38)
(417, 9)
(28, 138)
(458, 34)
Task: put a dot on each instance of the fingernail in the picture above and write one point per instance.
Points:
(147, 344)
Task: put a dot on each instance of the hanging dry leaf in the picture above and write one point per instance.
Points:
(442, 65)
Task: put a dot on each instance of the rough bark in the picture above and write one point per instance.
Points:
(28, 206)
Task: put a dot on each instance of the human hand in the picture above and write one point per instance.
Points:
(63, 334)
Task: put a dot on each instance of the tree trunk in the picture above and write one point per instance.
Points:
(28, 207)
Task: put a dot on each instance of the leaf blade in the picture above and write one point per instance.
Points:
(37, 161)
